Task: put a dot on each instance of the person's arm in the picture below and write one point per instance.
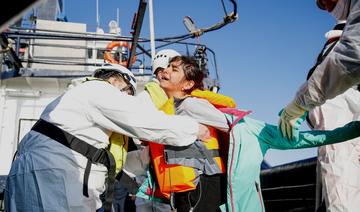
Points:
(203, 112)
(145, 98)
(124, 114)
(339, 71)
(272, 137)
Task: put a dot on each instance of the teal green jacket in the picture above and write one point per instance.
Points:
(249, 141)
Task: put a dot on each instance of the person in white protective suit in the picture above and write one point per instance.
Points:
(63, 164)
(339, 71)
(138, 161)
(338, 164)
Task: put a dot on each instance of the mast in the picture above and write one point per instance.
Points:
(97, 16)
(152, 33)
(117, 16)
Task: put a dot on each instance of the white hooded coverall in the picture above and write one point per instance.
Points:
(48, 176)
(338, 164)
(341, 68)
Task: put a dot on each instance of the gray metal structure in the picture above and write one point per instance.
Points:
(50, 10)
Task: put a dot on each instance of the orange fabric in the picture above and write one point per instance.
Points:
(216, 99)
(178, 178)
(170, 178)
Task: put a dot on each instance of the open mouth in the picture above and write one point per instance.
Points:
(164, 77)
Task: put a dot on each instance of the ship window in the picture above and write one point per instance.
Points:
(100, 54)
(24, 127)
(89, 53)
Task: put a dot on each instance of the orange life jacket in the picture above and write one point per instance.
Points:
(178, 178)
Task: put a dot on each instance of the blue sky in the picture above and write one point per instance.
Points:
(263, 57)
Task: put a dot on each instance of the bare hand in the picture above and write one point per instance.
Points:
(204, 132)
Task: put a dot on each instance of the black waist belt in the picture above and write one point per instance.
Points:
(93, 154)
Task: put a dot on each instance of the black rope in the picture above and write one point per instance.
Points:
(224, 8)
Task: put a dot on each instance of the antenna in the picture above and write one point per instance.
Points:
(189, 24)
(97, 15)
(113, 27)
(117, 16)
(152, 32)
(118, 29)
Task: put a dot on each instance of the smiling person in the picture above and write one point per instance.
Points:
(63, 163)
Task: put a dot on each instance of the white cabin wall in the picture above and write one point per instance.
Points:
(75, 50)
(21, 104)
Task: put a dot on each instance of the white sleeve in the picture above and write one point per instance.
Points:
(145, 98)
(203, 112)
(137, 162)
(127, 115)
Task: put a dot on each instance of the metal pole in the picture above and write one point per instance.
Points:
(152, 32)
(17, 48)
(117, 17)
(97, 27)
(137, 28)
(97, 15)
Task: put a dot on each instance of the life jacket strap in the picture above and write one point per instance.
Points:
(209, 154)
(93, 154)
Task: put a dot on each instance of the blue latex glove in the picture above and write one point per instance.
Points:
(291, 118)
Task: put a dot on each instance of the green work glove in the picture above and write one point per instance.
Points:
(340, 134)
(291, 118)
(316, 138)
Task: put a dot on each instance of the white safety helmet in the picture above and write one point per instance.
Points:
(163, 57)
(126, 73)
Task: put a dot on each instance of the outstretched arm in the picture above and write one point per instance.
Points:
(339, 71)
(126, 115)
(324, 137)
(271, 137)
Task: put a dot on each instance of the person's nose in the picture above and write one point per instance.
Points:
(166, 70)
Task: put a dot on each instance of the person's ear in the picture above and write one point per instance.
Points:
(112, 80)
(116, 80)
(188, 85)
